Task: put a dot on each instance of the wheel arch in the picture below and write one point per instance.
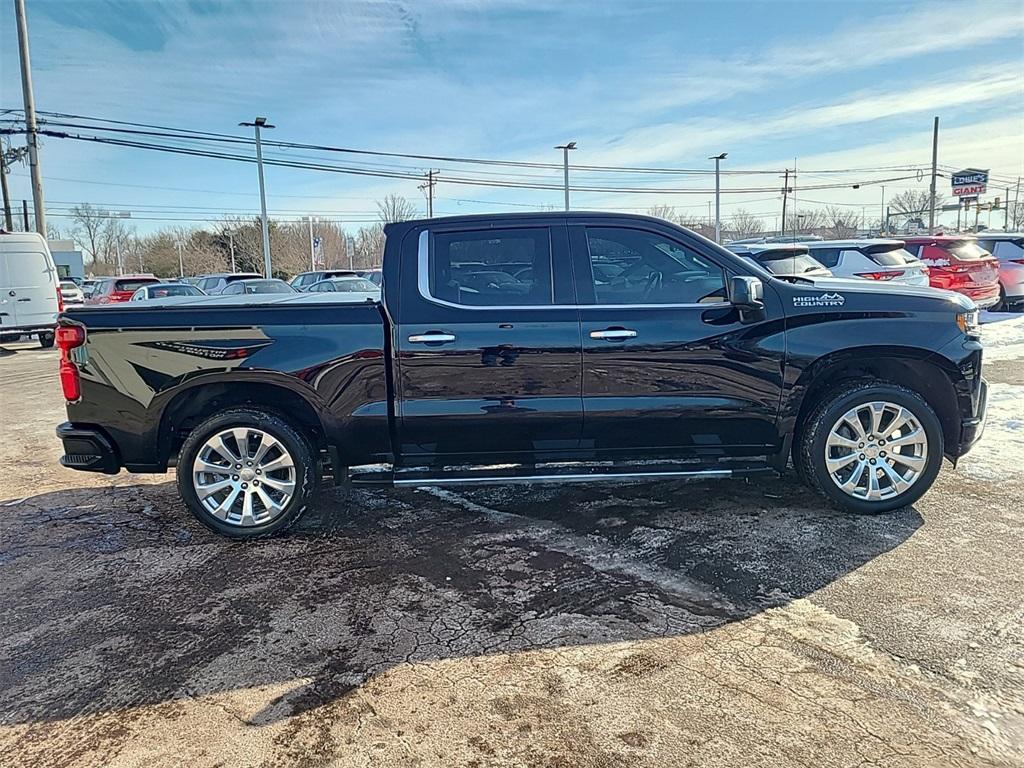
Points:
(920, 371)
(284, 396)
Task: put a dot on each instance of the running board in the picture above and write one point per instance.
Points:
(573, 475)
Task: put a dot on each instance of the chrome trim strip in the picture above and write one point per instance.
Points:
(423, 283)
(585, 478)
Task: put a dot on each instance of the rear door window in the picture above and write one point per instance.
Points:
(467, 267)
(28, 269)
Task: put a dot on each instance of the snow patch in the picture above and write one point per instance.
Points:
(1000, 452)
(1002, 334)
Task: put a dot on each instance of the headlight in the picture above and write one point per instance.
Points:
(969, 323)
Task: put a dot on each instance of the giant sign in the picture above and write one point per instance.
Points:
(970, 182)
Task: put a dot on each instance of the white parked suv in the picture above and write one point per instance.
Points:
(874, 259)
(30, 295)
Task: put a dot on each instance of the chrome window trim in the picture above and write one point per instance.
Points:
(423, 284)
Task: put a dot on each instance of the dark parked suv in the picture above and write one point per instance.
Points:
(216, 283)
(627, 348)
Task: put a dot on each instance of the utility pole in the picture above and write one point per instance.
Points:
(796, 216)
(935, 162)
(257, 124)
(24, 213)
(885, 223)
(428, 187)
(120, 262)
(785, 195)
(31, 136)
(1006, 212)
(718, 195)
(231, 247)
(181, 261)
(312, 251)
(565, 167)
(8, 221)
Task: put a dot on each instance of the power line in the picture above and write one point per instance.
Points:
(414, 175)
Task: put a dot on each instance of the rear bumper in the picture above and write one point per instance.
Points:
(87, 449)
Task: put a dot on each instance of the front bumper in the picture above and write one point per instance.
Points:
(973, 426)
(87, 449)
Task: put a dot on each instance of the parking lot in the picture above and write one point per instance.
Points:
(644, 624)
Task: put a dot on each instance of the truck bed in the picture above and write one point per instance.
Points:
(144, 361)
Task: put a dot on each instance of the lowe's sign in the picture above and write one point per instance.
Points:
(970, 182)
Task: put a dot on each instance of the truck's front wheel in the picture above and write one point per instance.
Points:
(872, 447)
(247, 473)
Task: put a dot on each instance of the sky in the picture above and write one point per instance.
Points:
(819, 85)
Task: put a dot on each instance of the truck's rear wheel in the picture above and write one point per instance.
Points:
(872, 447)
(247, 473)
(46, 339)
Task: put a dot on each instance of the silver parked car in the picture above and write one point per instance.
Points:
(70, 293)
(874, 259)
(347, 288)
(165, 290)
(1008, 247)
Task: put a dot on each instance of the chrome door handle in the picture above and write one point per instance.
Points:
(613, 334)
(431, 338)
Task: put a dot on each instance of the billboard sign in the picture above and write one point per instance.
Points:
(970, 182)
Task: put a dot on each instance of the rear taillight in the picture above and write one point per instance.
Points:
(69, 337)
(881, 275)
(60, 300)
(1016, 261)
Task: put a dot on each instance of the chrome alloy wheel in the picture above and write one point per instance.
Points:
(244, 476)
(876, 451)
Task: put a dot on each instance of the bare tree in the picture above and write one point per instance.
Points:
(87, 225)
(662, 211)
(838, 223)
(746, 224)
(395, 208)
(369, 246)
(913, 204)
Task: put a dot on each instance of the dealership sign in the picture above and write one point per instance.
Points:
(970, 182)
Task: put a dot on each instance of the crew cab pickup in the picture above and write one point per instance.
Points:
(563, 347)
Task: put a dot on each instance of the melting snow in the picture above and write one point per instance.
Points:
(1002, 333)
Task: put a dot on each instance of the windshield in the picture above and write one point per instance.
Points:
(779, 263)
(133, 285)
(269, 287)
(968, 251)
(355, 286)
(162, 291)
(891, 257)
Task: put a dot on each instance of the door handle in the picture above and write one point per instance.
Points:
(28, 299)
(431, 338)
(613, 334)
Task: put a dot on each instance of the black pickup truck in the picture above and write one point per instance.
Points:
(561, 347)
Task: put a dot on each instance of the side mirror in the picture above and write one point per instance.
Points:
(746, 292)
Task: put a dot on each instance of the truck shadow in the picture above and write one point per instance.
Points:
(115, 598)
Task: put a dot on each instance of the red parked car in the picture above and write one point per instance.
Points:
(114, 290)
(958, 263)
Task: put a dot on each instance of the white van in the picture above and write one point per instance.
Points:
(29, 287)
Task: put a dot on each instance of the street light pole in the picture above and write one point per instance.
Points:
(565, 167)
(231, 247)
(718, 196)
(31, 135)
(181, 261)
(257, 124)
(935, 162)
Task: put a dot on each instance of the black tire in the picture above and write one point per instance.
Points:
(810, 451)
(46, 340)
(306, 470)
